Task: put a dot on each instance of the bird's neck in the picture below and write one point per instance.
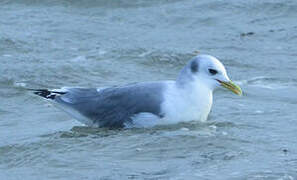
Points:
(193, 85)
(195, 90)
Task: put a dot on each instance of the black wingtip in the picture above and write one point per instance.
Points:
(45, 93)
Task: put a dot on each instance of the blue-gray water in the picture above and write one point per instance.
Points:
(89, 43)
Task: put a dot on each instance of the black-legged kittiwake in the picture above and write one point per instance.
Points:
(188, 98)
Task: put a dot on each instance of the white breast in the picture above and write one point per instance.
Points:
(186, 104)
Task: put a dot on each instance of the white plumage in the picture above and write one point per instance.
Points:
(189, 98)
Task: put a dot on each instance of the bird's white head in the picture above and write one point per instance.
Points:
(209, 71)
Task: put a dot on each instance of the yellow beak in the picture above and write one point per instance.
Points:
(232, 87)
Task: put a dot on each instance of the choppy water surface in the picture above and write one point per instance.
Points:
(48, 44)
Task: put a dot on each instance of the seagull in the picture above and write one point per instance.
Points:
(146, 104)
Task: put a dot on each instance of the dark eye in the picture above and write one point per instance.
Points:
(212, 71)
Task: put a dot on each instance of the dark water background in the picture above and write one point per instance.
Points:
(89, 43)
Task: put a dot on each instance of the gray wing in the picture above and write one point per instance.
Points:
(112, 107)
